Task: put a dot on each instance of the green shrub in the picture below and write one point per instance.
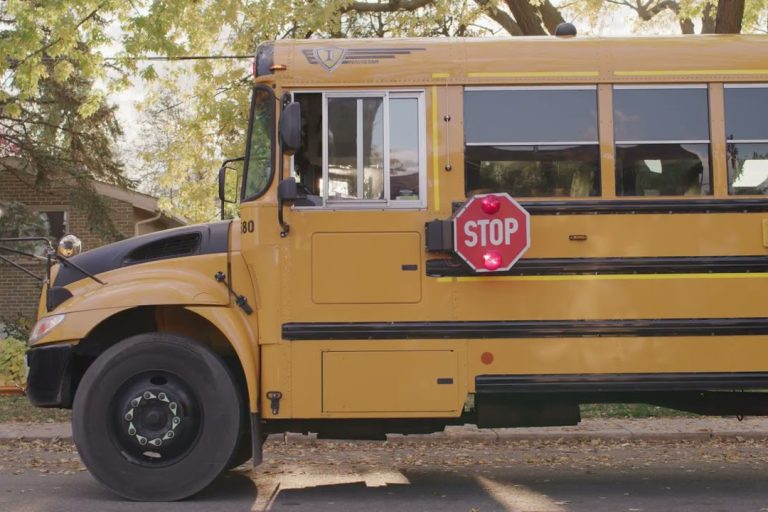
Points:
(12, 362)
(17, 327)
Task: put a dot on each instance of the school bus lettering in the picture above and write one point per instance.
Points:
(494, 232)
(601, 236)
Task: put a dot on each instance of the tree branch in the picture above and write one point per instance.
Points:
(708, 20)
(550, 15)
(501, 17)
(51, 43)
(527, 17)
(391, 6)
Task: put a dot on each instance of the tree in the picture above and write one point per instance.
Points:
(52, 118)
(216, 110)
(175, 164)
(52, 48)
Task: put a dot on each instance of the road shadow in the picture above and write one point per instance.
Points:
(233, 491)
(535, 489)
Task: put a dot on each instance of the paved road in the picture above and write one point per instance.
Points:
(481, 476)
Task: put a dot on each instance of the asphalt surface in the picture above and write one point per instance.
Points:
(716, 473)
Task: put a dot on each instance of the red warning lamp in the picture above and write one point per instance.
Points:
(490, 204)
(491, 260)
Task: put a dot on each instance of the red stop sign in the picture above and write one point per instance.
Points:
(491, 232)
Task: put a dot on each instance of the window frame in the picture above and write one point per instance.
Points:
(372, 204)
(248, 144)
(706, 86)
(598, 174)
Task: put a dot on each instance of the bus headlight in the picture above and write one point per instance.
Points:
(44, 326)
(69, 246)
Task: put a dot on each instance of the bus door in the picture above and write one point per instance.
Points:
(361, 172)
(356, 247)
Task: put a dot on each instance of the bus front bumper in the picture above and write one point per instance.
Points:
(48, 384)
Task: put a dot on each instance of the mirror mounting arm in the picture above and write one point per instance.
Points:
(284, 227)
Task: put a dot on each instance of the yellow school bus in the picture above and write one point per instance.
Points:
(337, 303)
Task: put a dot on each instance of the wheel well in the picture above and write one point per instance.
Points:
(131, 322)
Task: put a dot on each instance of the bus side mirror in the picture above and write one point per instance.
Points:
(287, 190)
(222, 183)
(290, 128)
(223, 170)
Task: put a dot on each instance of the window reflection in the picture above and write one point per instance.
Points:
(746, 111)
(662, 170)
(747, 168)
(533, 171)
(373, 148)
(342, 148)
(404, 148)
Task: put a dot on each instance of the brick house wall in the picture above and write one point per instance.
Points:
(19, 293)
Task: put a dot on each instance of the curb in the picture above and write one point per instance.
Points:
(11, 391)
(52, 432)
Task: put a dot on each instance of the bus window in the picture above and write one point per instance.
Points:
(260, 151)
(746, 111)
(404, 154)
(662, 140)
(362, 149)
(308, 161)
(355, 148)
(532, 141)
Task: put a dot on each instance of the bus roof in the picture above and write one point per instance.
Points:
(523, 60)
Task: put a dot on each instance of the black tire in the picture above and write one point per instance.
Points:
(242, 453)
(157, 417)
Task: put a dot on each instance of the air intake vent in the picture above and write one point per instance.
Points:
(171, 247)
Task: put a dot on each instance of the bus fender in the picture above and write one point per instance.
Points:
(242, 338)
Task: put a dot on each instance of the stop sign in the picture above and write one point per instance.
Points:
(491, 232)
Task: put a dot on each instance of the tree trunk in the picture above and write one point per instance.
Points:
(551, 16)
(686, 26)
(708, 20)
(501, 17)
(527, 17)
(729, 16)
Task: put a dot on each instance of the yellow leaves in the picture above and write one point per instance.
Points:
(12, 110)
(91, 104)
(62, 70)
(148, 73)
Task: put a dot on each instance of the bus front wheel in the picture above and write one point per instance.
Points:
(156, 417)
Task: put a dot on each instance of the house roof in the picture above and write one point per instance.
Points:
(139, 200)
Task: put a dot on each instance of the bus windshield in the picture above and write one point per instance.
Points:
(259, 154)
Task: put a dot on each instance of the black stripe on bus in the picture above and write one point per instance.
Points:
(453, 267)
(524, 329)
(628, 382)
(630, 206)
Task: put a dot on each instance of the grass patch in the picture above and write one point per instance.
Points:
(18, 409)
(630, 411)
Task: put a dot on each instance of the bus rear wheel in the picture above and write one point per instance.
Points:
(157, 417)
